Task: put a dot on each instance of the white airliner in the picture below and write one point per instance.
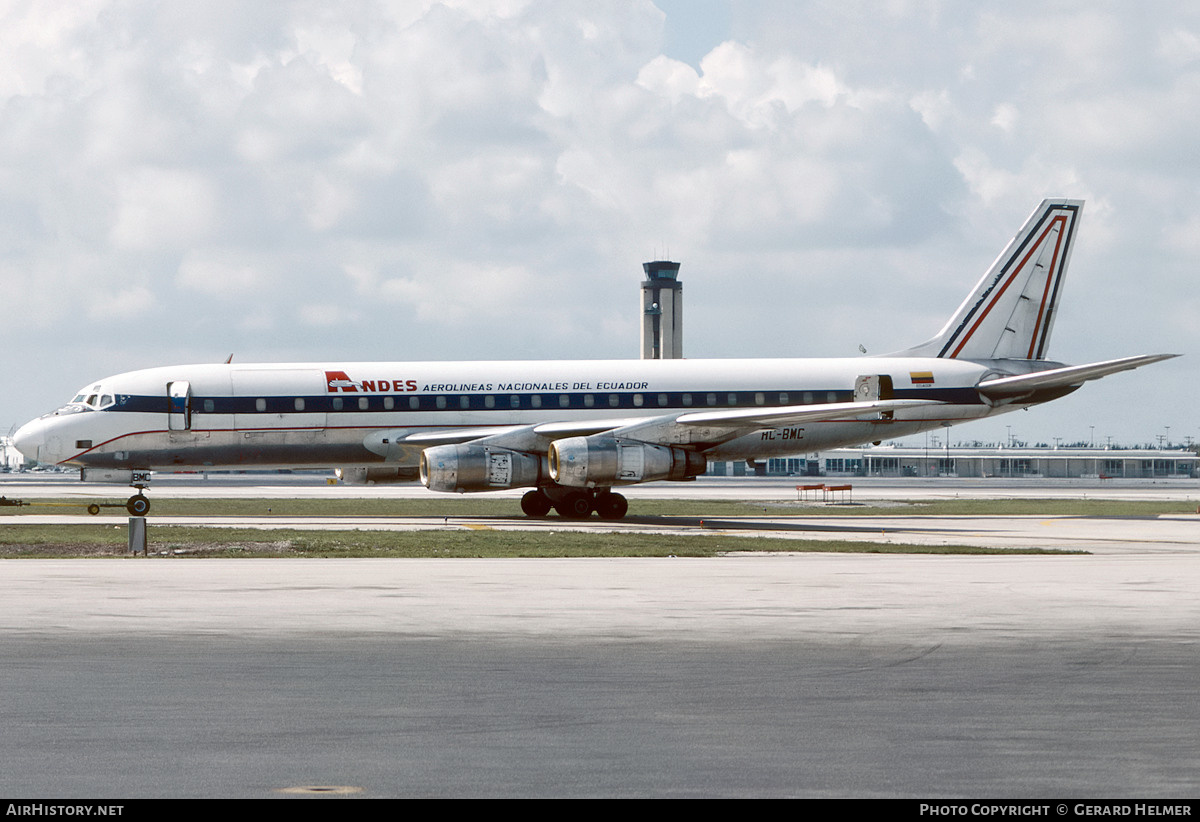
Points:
(573, 430)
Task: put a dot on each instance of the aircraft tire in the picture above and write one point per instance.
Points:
(611, 506)
(535, 504)
(138, 505)
(574, 505)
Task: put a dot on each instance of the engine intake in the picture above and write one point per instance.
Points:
(478, 468)
(598, 460)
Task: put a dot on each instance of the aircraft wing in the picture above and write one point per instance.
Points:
(1071, 375)
(694, 427)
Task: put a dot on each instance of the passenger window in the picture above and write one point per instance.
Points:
(514, 401)
(440, 402)
(662, 399)
(760, 399)
(364, 403)
(687, 399)
(732, 399)
(413, 402)
(712, 399)
(299, 403)
(614, 400)
(536, 401)
(489, 401)
(783, 398)
(563, 400)
(637, 400)
(464, 401)
(209, 406)
(260, 404)
(337, 403)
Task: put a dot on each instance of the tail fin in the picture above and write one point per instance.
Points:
(1011, 312)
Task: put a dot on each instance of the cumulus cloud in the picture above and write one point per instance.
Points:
(403, 175)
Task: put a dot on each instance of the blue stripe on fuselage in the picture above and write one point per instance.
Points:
(650, 401)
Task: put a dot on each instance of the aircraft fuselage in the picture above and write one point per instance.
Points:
(340, 414)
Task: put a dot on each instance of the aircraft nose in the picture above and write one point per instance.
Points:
(29, 439)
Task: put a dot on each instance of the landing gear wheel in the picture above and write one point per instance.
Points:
(574, 505)
(535, 504)
(138, 505)
(611, 506)
(93, 509)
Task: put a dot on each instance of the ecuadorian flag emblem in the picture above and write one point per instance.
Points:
(921, 377)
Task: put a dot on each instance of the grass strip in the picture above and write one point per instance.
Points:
(62, 541)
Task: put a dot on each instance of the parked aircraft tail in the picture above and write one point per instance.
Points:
(1011, 311)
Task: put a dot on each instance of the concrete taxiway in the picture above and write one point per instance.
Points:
(761, 675)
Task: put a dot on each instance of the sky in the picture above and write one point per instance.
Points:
(360, 180)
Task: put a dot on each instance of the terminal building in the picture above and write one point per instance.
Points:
(1030, 463)
(10, 457)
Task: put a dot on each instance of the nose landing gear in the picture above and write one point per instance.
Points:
(138, 505)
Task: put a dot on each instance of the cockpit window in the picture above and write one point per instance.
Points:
(92, 399)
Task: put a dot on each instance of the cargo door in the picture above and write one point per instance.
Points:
(279, 398)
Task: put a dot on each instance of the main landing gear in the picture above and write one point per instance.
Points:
(574, 503)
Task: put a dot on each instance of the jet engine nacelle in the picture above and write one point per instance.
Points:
(587, 462)
(376, 475)
(478, 468)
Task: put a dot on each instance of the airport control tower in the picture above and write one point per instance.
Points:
(662, 312)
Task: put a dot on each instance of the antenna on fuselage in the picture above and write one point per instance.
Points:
(228, 361)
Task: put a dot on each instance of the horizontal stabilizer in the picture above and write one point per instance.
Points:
(1072, 375)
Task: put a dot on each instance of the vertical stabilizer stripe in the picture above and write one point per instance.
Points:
(1051, 277)
(1060, 220)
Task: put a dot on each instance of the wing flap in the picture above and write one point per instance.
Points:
(450, 436)
(794, 414)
